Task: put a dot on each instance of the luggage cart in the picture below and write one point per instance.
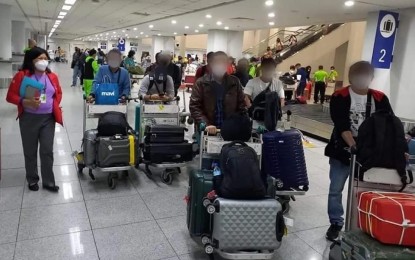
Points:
(91, 111)
(155, 113)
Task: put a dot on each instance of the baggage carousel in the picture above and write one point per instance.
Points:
(313, 120)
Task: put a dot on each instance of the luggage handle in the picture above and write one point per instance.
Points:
(353, 153)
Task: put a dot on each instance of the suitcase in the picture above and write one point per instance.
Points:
(198, 220)
(356, 245)
(164, 134)
(168, 153)
(137, 119)
(247, 224)
(411, 146)
(89, 147)
(283, 159)
(116, 151)
(388, 217)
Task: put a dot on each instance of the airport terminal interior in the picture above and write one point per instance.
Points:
(124, 212)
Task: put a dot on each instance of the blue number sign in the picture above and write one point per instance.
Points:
(121, 44)
(385, 39)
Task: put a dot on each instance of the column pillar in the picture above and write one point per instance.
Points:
(182, 51)
(18, 37)
(5, 45)
(162, 43)
(230, 42)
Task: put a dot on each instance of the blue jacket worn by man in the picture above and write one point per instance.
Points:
(121, 76)
(303, 73)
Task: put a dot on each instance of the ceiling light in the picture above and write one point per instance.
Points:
(175, 33)
(271, 15)
(269, 3)
(61, 17)
(271, 23)
(126, 34)
(158, 34)
(201, 25)
(55, 26)
(151, 26)
(173, 21)
(106, 33)
(66, 7)
(114, 32)
(208, 16)
(136, 36)
(62, 13)
(135, 29)
(219, 23)
(196, 31)
(123, 30)
(349, 3)
(186, 27)
(58, 21)
(141, 32)
(226, 28)
(70, 2)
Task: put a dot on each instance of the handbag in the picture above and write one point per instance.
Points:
(107, 93)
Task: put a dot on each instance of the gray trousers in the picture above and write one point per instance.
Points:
(38, 132)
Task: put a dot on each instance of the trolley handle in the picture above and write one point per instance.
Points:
(141, 98)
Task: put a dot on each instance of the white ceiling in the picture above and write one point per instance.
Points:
(87, 19)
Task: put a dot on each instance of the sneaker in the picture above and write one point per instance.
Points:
(333, 232)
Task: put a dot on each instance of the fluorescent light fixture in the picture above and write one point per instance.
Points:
(349, 3)
(269, 3)
(123, 30)
(57, 21)
(271, 23)
(141, 33)
(196, 31)
(60, 16)
(136, 36)
(173, 21)
(55, 26)
(226, 28)
(52, 30)
(175, 33)
(62, 13)
(158, 34)
(135, 29)
(271, 15)
(151, 26)
(219, 23)
(66, 7)
(186, 27)
(70, 2)
(208, 16)
(201, 25)
(114, 32)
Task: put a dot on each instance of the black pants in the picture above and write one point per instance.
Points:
(301, 88)
(319, 88)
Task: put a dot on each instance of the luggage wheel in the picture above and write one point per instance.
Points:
(112, 180)
(190, 120)
(211, 209)
(167, 176)
(205, 239)
(208, 249)
(91, 175)
(183, 120)
(206, 202)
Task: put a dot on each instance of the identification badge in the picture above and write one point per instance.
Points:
(43, 98)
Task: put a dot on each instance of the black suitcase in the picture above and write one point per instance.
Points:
(168, 153)
(116, 151)
(158, 134)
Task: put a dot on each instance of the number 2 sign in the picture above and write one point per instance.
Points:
(385, 39)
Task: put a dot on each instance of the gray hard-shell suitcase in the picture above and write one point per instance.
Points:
(114, 151)
(247, 224)
(89, 147)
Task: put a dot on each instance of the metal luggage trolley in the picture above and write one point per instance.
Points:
(157, 113)
(95, 111)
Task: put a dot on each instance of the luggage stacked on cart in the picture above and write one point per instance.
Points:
(166, 144)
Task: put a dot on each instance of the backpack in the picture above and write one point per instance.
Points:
(237, 127)
(266, 106)
(381, 143)
(240, 173)
(113, 123)
(287, 80)
(152, 77)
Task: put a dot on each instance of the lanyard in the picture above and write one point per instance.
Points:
(38, 80)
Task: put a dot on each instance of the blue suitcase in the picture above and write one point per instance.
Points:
(283, 159)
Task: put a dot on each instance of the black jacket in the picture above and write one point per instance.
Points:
(340, 115)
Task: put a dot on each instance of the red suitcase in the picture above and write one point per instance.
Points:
(388, 217)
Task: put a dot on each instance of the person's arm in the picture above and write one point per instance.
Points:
(281, 94)
(248, 90)
(145, 83)
(339, 112)
(13, 93)
(241, 98)
(126, 83)
(196, 103)
(58, 94)
(170, 88)
(95, 67)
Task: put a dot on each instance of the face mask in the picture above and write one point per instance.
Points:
(41, 65)
(114, 64)
(219, 70)
(292, 71)
(361, 81)
(268, 74)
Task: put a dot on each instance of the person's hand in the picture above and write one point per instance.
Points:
(33, 103)
(211, 130)
(90, 99)
(123, 100)
(165, 98)
(407, 156)
(155, 97)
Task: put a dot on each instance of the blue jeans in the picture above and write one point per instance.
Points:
(76, 73)
(339, 173)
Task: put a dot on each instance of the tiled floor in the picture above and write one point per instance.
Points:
(140, 219)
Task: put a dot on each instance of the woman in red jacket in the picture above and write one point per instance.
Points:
(37, 117)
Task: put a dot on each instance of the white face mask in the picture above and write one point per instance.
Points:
(41, 65)
(114, 64)
(292, 71)
(268, 74)
(219, 70)
(361, 81)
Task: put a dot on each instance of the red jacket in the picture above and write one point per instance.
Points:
(13, 94)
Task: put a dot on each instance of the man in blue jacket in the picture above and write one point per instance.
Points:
(302, 78)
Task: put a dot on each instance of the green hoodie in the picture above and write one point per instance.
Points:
(95, 65)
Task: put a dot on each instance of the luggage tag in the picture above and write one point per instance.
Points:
(42, 98)
(289, 221)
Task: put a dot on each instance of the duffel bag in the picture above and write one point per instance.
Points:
(113, 123)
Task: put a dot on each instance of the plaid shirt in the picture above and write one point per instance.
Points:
(219, 114)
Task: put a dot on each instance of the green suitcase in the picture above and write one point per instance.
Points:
(198, 220)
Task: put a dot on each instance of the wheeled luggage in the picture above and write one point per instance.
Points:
(388, 217)
(284, 160)
(247, 225)
(89, 148)
(164, 134)
(116, 151)
(168, 153)
(198, 220)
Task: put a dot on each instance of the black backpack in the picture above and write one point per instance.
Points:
(381, 143)
(240, 173)
(152, 77)
(113, 123)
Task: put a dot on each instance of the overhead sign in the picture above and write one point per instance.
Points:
(121, 44)
(386, 30)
